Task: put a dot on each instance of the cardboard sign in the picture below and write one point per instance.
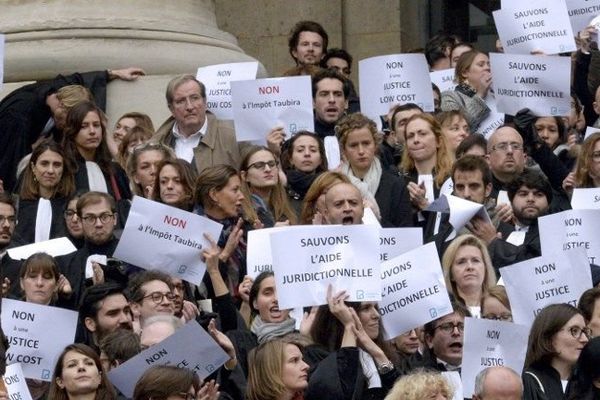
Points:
(14, 380)
(581, 12)
(461, 211)
(217, 79)
(189, 347)
(395, 79)
(396, 241)
(414, 291)
(158, 236)
(534, 25)
(306, 259)
(36, 335)
(555, 277)
(262, 104)
(586, 199)
(571, 229)
(542, 84)
(443, 79)
(489, 343)
(493, 121)
(259, 256)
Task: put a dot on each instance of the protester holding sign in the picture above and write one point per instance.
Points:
(313, 206)
(302, 159)
(47, 182)
(277, 371)
(360, 362)
(142, 167)
(556, 338)
(174, 184)
(425, 153)
(358, 138)
(474, 78)
(79, 375)
(261, 181)
(553, 132)
(468, 271)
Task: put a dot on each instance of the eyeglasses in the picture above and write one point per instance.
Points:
(596, 156)
(157, 297)
(262, 164)
(11, 219)
(505, 145)
(448, 327)
(500, 317)
(576, 332)
(69, 214)
(90, 219)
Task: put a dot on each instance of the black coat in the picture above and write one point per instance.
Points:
(25, 229)
(393, 201)
(548, 377)
(24, 114)
(503, 253)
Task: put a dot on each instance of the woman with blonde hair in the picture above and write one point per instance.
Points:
(468, 271)
(587, 167)
(314, 201)
(276, 371)
(421, 385)
(142, 166)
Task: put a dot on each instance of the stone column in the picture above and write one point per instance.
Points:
(165, 38)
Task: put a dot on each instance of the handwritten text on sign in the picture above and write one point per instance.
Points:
(158, 236)
(306, 259)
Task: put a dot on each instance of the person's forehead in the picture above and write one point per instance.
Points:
(100, 206)
(115, 300)
(6, 210)
(470, 176)
(506, 134)
(400, 115)
(342, 191)
(155, 286)
(330, 84)
(310, 35)
(454, 317)
(337, 61)
(186, 87)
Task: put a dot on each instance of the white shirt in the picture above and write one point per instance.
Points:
(184, 146)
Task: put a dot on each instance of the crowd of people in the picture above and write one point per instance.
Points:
(66, 174)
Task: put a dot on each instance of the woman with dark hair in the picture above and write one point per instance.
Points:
(585, 383)
(553, 132)
(556, 338)
(72, 220)
(142, 166)
(78, 375)
(385, 191)
(261, 181)
(167, 382)
(587, 167)
(277, 371)
(474, 79)
(174, 184)
(136, 138)
(87, 152)
(47, 183)
(360, 364)
(302, 160)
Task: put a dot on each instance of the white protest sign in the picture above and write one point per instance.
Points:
(396, 241)
(461, 211)
(581, 12)
(369, 217)
(189, 347)
(541, 84)
(332, 152)
(493, 121)
(1, 60)
(490, 343)
(54, 247)
(306, 259)
(443, 79)
(258, 255)
(414, 291)
(14, 380)
(263, 104)
(571, 229)
(216, 80)
(585, 199)
(395, 79)
(590, 130)
(37, 335)
(453, 378)
(158, 236)
(534, 25)
(555, 277)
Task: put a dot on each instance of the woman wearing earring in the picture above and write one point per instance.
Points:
(47, 183)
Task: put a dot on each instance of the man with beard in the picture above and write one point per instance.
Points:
(104, 309)
(308, 43)
(530, 195)
(343, 205)
(97, 212)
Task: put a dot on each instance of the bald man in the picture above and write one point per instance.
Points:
(498, 383)
(343, 205)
